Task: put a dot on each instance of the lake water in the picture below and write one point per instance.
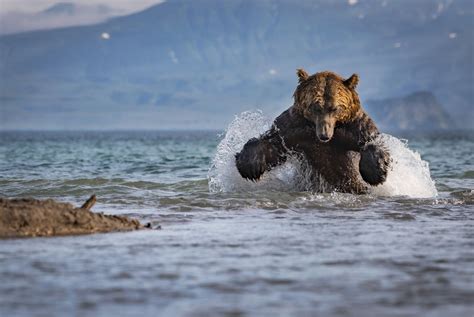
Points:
(228, 247)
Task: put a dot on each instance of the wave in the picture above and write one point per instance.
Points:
(409, 175)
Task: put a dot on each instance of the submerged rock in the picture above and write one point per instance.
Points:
(39, 218)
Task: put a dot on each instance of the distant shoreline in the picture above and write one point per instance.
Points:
(420, 132)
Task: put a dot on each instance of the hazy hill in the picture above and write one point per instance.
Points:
(58, 15)
(68, 8)
(417, 111)
(197, 63)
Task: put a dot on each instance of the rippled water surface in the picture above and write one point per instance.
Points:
(228, 247)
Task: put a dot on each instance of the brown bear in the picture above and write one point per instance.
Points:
(329, 128)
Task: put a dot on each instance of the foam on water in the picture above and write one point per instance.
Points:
(409, 175)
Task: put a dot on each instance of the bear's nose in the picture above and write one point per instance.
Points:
(323, 138)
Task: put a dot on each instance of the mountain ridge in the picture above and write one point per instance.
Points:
(418, 110)
(185, 58)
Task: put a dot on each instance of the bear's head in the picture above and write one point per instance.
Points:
(326, 99)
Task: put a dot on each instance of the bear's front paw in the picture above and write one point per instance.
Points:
(374, 163)
(250, 161)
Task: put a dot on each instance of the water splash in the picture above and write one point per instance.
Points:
(409, 174)
(223, 175)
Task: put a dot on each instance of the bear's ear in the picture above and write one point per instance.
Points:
(302, 74)
(352, 81)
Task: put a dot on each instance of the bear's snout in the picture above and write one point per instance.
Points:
(324, 131)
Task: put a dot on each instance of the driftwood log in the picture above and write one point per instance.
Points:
(89, 203)
(39, 218)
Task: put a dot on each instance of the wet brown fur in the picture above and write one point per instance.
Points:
(328, 126)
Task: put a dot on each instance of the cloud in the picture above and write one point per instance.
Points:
(173, 57)
(25, 15)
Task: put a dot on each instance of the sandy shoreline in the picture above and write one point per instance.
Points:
(27, 217)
